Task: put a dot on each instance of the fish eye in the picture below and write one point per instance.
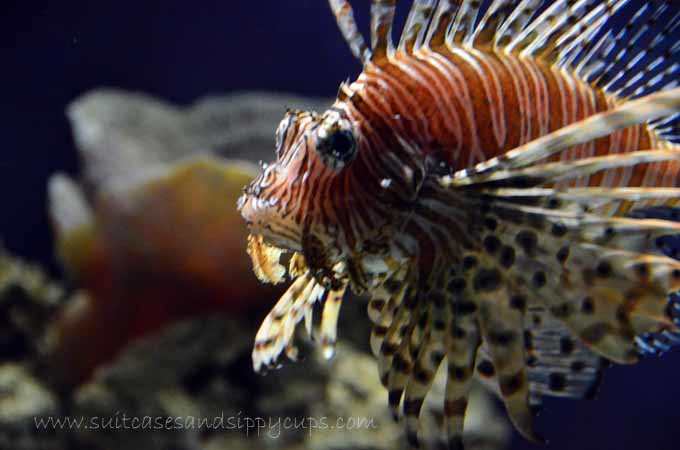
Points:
(342, 144)
(336, 146)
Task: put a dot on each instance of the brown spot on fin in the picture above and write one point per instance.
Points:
(559, 364)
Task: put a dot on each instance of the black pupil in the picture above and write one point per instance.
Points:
(342, 143)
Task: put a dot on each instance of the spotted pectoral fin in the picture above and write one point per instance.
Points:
(462, 342)
(528, 354)
(389, 321)
(415, 332)
(619, 297)
(586, 286)
(427, 352)
(502, 332)
(559, 364)
(656, 344)
(603, 277)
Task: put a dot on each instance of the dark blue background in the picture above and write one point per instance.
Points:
(52, 52)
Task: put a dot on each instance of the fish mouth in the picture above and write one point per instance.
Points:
(268, 264)
(274, 237)
(319, 272)
(309, 285)
(264, 218)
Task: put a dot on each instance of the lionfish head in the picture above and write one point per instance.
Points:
(307, 203)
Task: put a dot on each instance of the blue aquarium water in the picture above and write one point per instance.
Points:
(52, 52)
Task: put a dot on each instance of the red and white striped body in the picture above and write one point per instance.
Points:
(463, 106)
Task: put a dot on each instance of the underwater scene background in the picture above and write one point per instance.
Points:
(55, 52)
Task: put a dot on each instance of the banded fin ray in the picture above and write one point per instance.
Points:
(416, 25)
(603, 201)
(329, 321)
(276, 332)
(633, 194)
(443, 17)
(554, 172)
(501, 324)
(344, 16)
(382, 18)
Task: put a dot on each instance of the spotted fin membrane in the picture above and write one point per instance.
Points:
(656, 344)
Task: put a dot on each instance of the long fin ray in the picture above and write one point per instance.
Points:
(628, 114)
(442, 19)
(501, 326)
(344, 16)
(602, 200)
(382, 19)
(558, 171)
(416, 25)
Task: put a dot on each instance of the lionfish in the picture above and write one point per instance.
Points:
(476, 182)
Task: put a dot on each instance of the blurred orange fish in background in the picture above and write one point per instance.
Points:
(150, 233)
(164, 248)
